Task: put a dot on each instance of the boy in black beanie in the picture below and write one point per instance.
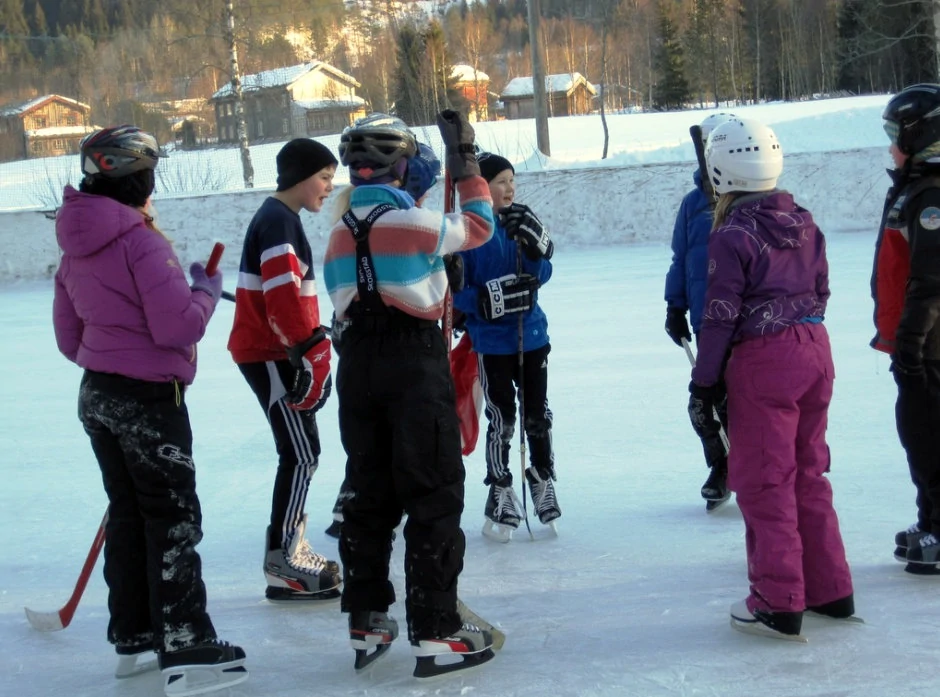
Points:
(284, 355)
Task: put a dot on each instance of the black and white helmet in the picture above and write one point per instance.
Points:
(118, 151)
(377, 141)
(912, 118)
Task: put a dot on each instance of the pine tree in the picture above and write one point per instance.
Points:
(672, 89)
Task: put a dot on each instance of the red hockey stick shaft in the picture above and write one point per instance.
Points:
(448, 323)
(60, 619)
(213, 264)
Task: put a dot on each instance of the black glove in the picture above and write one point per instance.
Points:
(457, 134)
(508, 295)
(453, 267)
(677, 327)
(702, 401)
(521, 224)
(909, 373)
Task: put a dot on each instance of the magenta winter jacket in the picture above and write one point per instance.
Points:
(122, 303)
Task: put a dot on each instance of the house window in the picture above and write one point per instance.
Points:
(58, 144)
(71, 119)
(37, 147)
(228, 109)
(261, 129)
(284, 126)
(39, 122)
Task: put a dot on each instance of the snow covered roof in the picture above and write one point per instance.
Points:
(467, 73)
(283, 77)
(348, 102)
(30, 104)
(564, 82)
(61, 131)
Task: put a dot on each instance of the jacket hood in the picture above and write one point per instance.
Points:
(774, 219)
(86, 223)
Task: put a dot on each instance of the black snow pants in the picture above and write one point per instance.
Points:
(398, 424)
(917, 412)
(141, 436)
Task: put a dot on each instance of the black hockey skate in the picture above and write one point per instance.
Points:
(902, 541)
(371, 630)
(542, 488)
(715, 489)
(923, 555)
(503, 511)
(207, 667)
(842, 610)
(774, 625)
(298, 573)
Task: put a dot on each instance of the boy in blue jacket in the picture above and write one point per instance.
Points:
(685, 293)
(503, 317)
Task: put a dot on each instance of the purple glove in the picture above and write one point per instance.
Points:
(207, 284)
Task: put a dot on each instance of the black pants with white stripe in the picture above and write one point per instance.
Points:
(499, 378)
(296, 439)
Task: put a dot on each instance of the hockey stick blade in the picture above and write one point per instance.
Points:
(60, 619)
(466, 614)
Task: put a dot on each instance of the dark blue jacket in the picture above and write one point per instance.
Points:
(688, 274)
(492, 260)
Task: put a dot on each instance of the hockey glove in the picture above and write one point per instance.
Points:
(522, 225)
(312, 380)
(508, 295)
(909, 373)
(677, 327)
(458, 137)
(453, 266)
(702, 401)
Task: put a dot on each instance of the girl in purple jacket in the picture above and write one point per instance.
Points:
(768, 284)
(124, 312)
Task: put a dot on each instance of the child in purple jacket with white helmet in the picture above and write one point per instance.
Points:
(767, 289)
(124, 311)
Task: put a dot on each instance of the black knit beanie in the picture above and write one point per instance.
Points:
(491, 165)
(299, 159)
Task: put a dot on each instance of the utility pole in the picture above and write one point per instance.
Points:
(247, 170)
(538, 78)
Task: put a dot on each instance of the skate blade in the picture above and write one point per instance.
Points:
(186, 681)
(497, 532)
(286, 595)
(364, 659)
(918, 569)
(757, 628)
(129, 666)
(427, 668)
(713, 505)
(853, 619)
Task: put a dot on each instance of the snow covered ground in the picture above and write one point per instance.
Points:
(631, 599)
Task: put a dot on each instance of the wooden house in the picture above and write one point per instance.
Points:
(297, 101)
(568, 94)
(43, 127)
(473, 87)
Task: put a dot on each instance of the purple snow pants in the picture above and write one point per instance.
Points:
(779, 388)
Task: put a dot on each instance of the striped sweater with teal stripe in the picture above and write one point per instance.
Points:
(407, 246)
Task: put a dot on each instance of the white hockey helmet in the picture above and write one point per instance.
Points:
(743, 155)
(710, 123)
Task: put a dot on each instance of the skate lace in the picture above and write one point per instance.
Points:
(913, 529)
(544, 495)
(507, 502)
(306, 560)
(928, 540)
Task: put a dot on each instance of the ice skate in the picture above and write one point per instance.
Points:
(134, 660)
(502, 512)
(371, 630)
(774, 625)
(842, 610)
(207, 667)
(902, 541)
(471, 644)
(542, 489)
(923, 554)
(715, 489)
(299, 573)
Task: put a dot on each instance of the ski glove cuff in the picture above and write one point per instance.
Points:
(459, 138)
(908, 371)
(508, 295)
(312, 382)
(521, 224)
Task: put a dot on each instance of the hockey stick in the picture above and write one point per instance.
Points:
(699, 144)
(521, 352)
(447, 322)
(721, 429)
(55, 620)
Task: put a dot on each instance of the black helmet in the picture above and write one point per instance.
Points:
(377, 141)
(118, 151)
(912, 118)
